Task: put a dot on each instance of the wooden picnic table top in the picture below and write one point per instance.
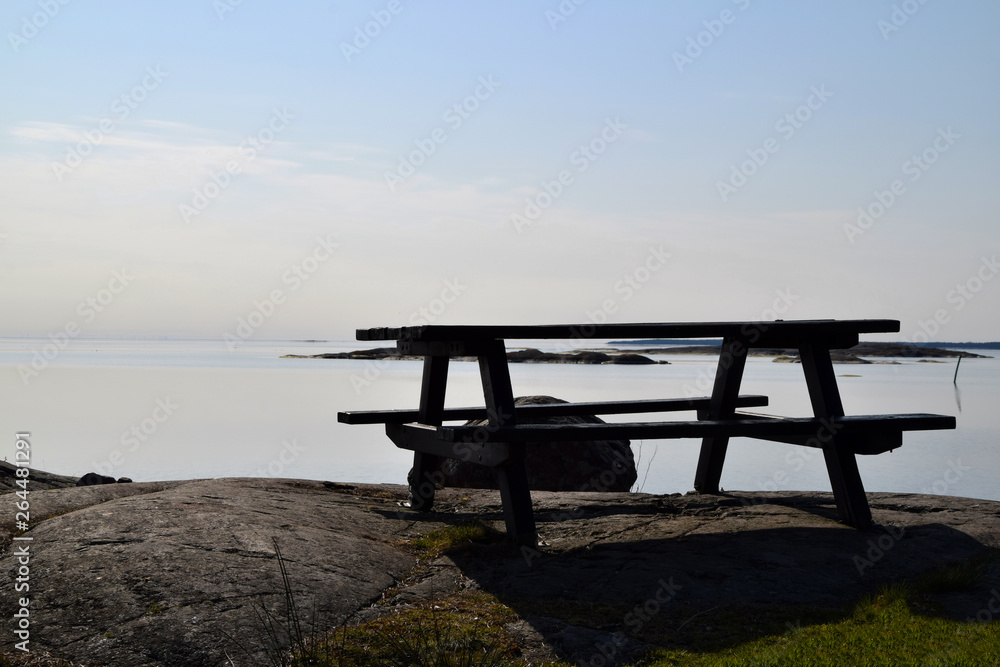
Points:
(779, 333)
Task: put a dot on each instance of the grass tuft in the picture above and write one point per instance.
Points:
(955, 577)
(459, 537)
(466, 631)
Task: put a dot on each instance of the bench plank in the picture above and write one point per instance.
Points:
(763, 428)
(553, 410)
(870, 443)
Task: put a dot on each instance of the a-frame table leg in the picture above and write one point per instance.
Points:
(512, 477)
(728, 376)
(845, 479)
(426, 467)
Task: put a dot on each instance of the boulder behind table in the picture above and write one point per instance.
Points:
(602, 465)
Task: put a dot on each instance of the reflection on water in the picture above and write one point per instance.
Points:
(184, 409)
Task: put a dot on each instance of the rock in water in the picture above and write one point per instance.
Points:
(601, 465)
(92, 478)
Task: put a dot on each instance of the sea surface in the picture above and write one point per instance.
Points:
(184, 409)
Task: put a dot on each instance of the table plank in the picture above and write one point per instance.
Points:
(748, 329)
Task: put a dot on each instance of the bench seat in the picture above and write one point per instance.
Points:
(549, 410)
(869, 434)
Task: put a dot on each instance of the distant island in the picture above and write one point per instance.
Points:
(637, 356)
(528, 356)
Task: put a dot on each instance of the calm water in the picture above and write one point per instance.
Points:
(179, 409)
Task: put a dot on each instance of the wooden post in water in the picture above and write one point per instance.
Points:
(955, 380)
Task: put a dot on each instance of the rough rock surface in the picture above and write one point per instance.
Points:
(169, 573)
(600, 465)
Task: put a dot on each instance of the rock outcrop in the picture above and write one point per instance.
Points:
(37, 479)
(93, 478)
(177, 573)
(600, 465)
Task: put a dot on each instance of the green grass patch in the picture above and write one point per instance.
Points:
(954, 577)
(465, 630)
(899, 625)
(880, 630)
(155, 609)
(472, 534)
(683, 627)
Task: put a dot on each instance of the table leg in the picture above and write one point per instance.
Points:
(426, 467)
(512, 478)
(841, 465)
(728, 376)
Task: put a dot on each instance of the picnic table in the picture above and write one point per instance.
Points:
(501, 443)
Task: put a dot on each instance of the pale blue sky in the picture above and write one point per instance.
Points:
(442, 245)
